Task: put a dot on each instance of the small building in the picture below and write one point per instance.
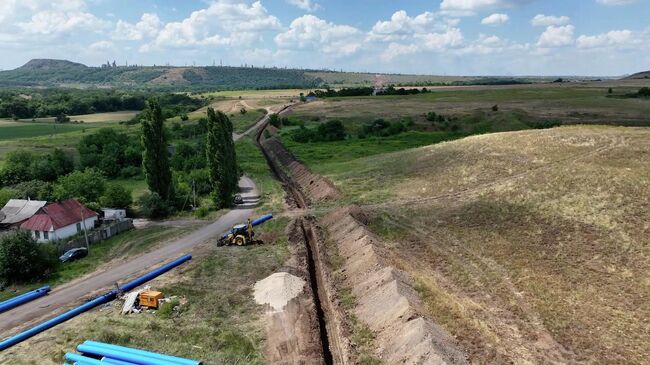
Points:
(111, 214)
(17, 211)
(58, 221)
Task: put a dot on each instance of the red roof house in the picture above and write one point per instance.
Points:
(60, 220)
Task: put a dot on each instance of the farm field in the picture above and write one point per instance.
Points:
(90, 118)
(567, 103)
(19, 130)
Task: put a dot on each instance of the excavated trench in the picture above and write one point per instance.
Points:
(331, 353)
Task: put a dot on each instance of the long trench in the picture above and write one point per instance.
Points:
(315, 271)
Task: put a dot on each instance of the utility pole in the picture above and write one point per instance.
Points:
(83, 221)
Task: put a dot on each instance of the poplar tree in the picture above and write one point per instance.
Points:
(155, 159)
(220, 151)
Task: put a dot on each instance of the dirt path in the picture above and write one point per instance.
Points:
(74, 293)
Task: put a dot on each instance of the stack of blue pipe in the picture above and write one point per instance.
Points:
(23, 298)
(99, 353)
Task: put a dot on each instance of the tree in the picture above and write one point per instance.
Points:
(17, 167)
(274, 120)
(87, 186)
(5, 195)
(116, 196)
(610, 91)
(22, 259)
(153, 206)
(155, 158)
(644, 91)
(62, 118)
(221, 158)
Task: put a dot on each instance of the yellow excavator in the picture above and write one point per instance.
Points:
(242, 234)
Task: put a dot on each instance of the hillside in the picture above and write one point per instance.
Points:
(528, 247)
(639, 75)
(46, 72)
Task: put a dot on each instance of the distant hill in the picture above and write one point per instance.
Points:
(53, 73)
(639, 75)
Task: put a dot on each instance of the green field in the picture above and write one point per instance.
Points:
(20, 130)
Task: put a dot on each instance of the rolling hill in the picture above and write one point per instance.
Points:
(53, 73)
(639, 75)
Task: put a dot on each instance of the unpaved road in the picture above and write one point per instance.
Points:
(74, 293)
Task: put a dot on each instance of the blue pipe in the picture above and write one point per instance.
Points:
(11, 341)
(163, 269)
(108, 360)
(81, 360)
(120, 355)
(174, 359)
(261, 220)
(23, 298)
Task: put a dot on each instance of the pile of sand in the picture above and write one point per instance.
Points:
(278, 289)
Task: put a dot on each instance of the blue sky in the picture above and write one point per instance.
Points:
(446, 37)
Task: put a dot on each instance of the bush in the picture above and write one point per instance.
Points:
(116, 196)
(545, 124)
(332, 130)
(153, 206)
(644, 92)
(274, 120)
(382, 128)
(87, 186)
(23, 260)
(6, 194)
(495, 108)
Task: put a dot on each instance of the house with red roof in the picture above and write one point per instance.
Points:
(58, 221)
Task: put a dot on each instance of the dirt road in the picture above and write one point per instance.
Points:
(74, 293)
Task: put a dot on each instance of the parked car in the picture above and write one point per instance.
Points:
(239, 199)
(74, 254)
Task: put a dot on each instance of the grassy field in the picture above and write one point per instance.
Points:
(529, 247)
(568, 103)
(90, 118)
(17, 130)
(126, 244)
(213, 318)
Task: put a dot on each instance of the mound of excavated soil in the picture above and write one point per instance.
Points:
(385, 299)
(316, 187)
(278, 289)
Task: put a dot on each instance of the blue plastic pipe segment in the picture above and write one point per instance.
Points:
(120, 355)
(155, 355)
(81, 360)
(108, 360)
(159, 271)
(11, 341)
(23, 298)
(261, 220)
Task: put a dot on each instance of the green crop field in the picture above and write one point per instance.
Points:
(19, 130)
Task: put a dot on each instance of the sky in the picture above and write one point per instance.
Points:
(441, 37)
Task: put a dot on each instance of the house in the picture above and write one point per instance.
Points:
(17, 211)
(59, 221)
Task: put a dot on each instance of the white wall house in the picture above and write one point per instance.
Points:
(59, 221)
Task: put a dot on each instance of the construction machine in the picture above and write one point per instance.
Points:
(242, 234)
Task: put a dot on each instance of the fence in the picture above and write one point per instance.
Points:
(101, 233)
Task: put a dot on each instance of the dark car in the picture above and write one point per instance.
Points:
(239, 199)
(74, 254)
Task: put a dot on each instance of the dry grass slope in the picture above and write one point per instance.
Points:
(529, 247)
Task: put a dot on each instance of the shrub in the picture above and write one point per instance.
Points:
(431, 116)
(87, 186)
(201, 212)
(332, 130)
(495, 108)
(153, 206)
(6, 194)
(116, 196)
(644, 92)
(274, 120)
(545, 124)
(23, 260)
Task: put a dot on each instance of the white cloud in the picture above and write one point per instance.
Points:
(224, 22)
(541, 20)
(101, 45)
(495, 19)
(401, 26)
(56, 18)
(616, 2)
(425, 42)
(306, 5)
(556, 36)
(311, 32)
(148, 26)
(470, 7)
(610, 39)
